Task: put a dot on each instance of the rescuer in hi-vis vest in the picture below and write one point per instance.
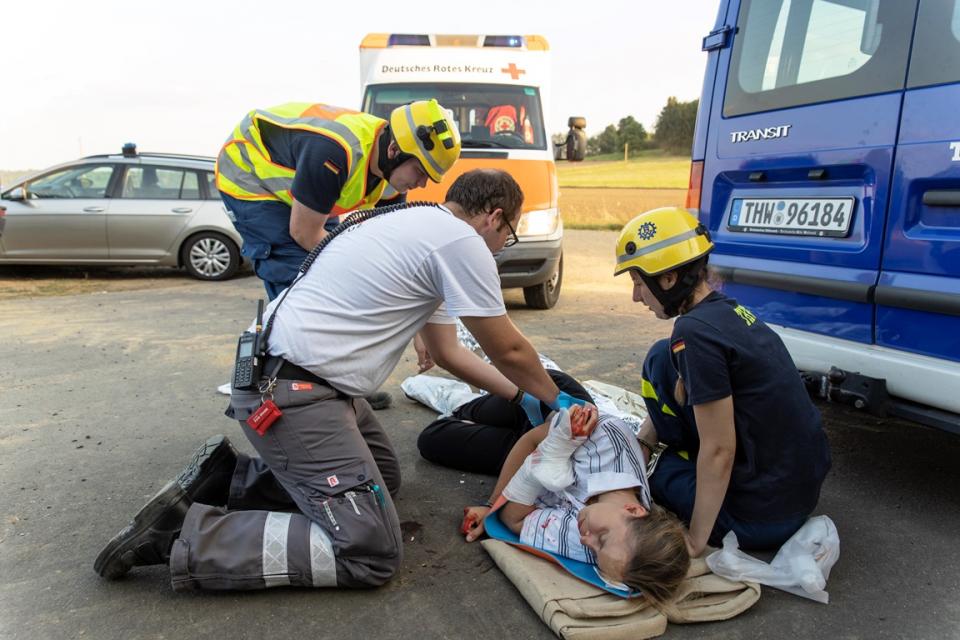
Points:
(287, 171)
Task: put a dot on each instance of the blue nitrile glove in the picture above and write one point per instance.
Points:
(565, 401)
(531, 406)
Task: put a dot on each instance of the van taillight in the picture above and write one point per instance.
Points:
(696, 180)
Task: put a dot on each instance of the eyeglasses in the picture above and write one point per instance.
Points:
(513, 239)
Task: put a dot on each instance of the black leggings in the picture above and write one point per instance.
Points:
(480, 433)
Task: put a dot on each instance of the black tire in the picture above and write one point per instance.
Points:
(210, 256)
(577, 145)
(546, 294)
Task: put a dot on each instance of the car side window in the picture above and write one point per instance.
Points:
(160, 183)
(85, 181)
(190, 190)
(212, 192)
(936, 45)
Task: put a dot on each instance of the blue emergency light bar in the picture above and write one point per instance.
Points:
(503, 41)
(408, 40)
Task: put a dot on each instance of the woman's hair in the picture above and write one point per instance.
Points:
(659, 559)
(702, 273)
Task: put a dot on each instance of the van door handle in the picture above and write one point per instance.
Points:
(94, 209)
(181, 209)
(942, 198)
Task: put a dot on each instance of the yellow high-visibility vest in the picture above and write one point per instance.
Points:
(246, 171)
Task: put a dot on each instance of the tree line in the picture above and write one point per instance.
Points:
(673, 132)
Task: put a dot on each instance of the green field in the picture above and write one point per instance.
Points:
(645, 172)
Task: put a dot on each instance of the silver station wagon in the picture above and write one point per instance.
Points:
(125, 209)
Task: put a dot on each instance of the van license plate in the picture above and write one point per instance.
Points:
(792, 216)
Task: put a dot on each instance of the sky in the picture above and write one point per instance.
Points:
(83, 77)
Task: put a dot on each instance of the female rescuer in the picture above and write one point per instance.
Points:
(746, 449)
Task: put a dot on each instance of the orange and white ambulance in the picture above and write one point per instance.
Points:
(497, 87)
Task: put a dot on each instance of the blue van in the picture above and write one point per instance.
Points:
(826, 163)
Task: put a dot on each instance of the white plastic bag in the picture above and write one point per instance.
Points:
(443, 395)
(801, 566)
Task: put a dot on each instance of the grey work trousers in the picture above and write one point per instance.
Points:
(315, 510)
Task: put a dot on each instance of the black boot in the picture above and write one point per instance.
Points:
(206, 479)
(148, 538)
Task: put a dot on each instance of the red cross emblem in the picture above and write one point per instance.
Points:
(513, 71)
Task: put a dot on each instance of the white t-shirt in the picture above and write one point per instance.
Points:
(349, 319)
(610, 459)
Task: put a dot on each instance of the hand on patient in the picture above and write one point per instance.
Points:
(550, 464)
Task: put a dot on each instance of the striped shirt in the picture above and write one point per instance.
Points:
(610, 459)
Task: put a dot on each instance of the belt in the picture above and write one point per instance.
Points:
(286, 370)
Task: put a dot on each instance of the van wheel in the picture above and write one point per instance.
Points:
(210, 256)
(545, 295)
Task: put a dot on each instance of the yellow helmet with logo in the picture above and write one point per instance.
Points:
(661, 240)
(426, 131)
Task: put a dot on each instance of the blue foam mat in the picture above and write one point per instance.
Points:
(580, 570)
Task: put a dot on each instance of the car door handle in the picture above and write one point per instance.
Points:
(94, 209)
(181, 209)
(942, 198)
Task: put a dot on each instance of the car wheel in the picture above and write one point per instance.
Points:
(210, 256)
(545, 295)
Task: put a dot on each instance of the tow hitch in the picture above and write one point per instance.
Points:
(865, 393)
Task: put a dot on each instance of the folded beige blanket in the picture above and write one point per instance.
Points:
(574, 609)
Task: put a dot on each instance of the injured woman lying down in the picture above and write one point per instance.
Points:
(576, 486)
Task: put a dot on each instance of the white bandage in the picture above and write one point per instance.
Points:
(523, 487)
(551, 462)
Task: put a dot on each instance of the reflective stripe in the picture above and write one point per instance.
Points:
(275, 529)
(656, 246)
(647, 390)
(323, 564)
(408, 111)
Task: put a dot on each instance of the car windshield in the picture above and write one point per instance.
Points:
(488, 115)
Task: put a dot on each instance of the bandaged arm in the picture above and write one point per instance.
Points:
(513, 513)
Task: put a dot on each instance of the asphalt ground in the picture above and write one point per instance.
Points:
(106, 395)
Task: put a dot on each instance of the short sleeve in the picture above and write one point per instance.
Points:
(465, 273)
(699, 352)
(321, 171)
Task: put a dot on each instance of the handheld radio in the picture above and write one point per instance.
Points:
(248, 363)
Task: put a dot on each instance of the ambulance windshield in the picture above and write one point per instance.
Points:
(489, 115)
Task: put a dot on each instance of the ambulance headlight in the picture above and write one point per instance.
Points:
(541, 222)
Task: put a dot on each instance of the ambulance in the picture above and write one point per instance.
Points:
(826, 164)
(497, 87)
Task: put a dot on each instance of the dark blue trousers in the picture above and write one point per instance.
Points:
(674, 483)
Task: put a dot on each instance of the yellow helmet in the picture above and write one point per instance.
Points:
(661, 240)
(426, 131)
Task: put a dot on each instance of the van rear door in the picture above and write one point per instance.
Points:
(918, 296)
(800, 149)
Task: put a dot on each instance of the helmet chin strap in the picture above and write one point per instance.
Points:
(688, 276)
(384, 162)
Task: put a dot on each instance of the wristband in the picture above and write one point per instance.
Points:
(488, 504)
(518, 397)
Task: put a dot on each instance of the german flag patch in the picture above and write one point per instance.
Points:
(332, 167)
(677, 346)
